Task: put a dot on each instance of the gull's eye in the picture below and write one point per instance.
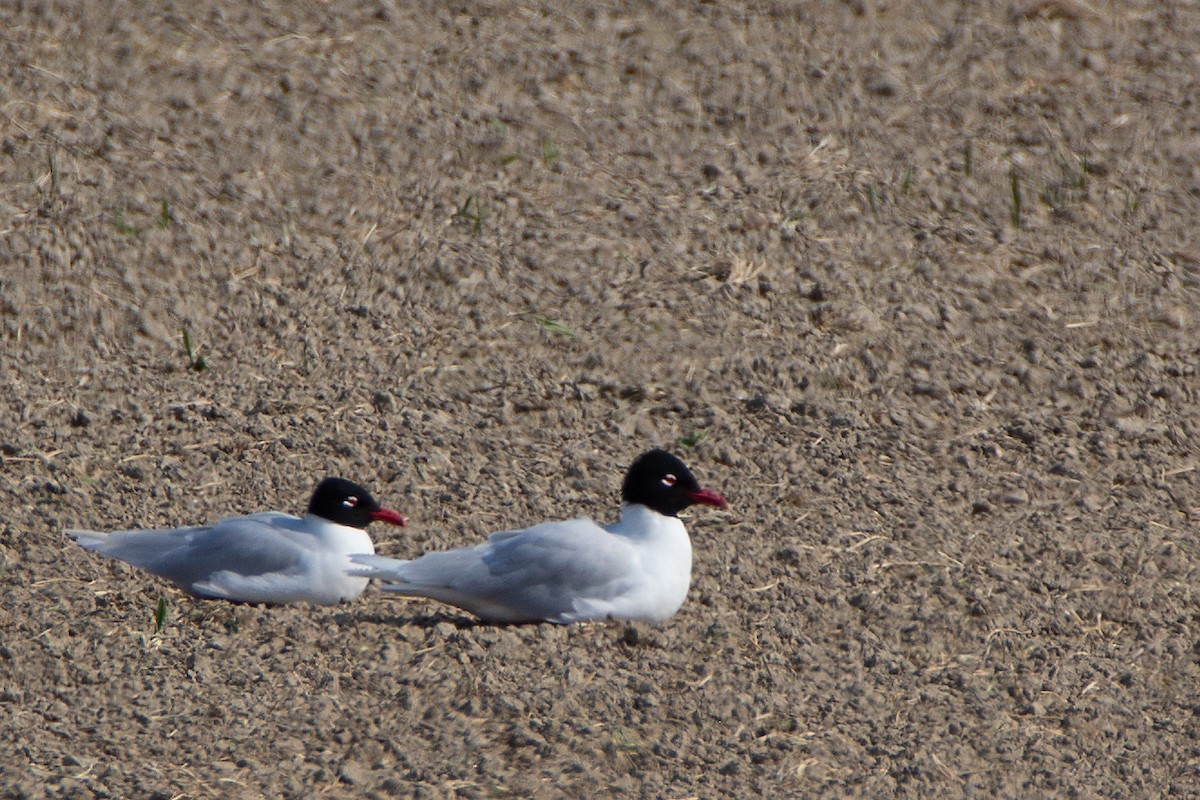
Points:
(350, 502)
(668, 480)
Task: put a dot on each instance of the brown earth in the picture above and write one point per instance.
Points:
(478, 256)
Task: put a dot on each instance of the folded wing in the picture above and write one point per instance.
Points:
(206, 560)
(557, 572)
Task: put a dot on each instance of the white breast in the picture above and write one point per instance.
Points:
(665, 569)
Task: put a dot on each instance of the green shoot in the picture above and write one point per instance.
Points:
(1014, 188)
(1133, 202)
(165, 217)
(872, 201)
(416, 466)
(55, 174)
(550, 152)
(122, 225)
(693, 439)
(1071, 188)
(160, 614)
(472, 211)
(499, 134)
(1078, 177)
(194, 361)
(550, 325)
(622, 740)
(499, 129)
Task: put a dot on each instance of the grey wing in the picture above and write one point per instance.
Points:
(543, 572)
(252, 545)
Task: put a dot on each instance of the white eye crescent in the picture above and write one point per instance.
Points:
(350, 502)
(668, 480)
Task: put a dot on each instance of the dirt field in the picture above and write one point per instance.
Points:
(917, 283)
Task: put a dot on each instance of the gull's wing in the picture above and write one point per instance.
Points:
(556, 571)
(206, 559)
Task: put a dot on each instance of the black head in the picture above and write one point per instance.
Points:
(660, 481)
(346, 503)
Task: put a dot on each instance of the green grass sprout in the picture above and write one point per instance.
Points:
(550, 152)
(472, 211)
(160, 614)
(550, 325)
(123, 225)
(55, 174)
(1014, 188)
(195, 362)
(1070, 189)
(873, 200)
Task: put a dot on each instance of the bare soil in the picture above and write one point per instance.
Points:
(917, 281)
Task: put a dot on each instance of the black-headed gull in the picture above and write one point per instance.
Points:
(638, 568)
(270, 557)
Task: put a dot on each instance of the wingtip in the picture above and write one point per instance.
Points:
(86, 539)
(370, 565)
